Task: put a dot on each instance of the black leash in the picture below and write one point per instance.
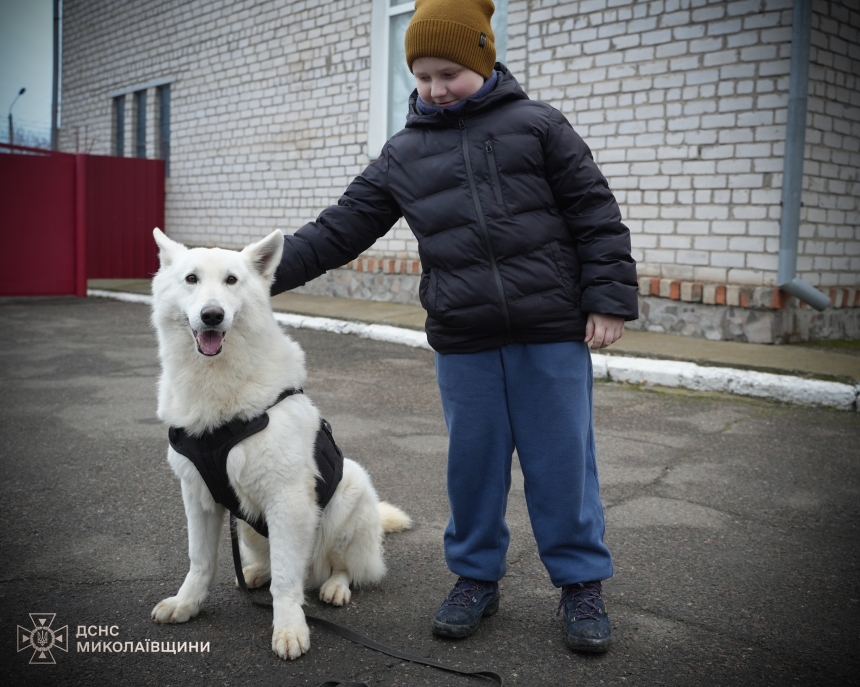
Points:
(346, 633)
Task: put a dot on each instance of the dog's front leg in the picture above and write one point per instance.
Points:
(204, 530)
(291, 534)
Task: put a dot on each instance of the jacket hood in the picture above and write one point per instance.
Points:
(506, 89)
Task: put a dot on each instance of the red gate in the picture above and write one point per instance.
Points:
(72, 217)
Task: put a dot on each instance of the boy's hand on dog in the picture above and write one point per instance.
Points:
(603, 330)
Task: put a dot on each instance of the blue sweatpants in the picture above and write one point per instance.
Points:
(536, 398)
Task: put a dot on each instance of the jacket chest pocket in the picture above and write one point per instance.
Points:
(495, 180)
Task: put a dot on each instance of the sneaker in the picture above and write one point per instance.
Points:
(586, 623)
(468, 602)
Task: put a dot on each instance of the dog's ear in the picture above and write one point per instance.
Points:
(167, 248)
(265, 255)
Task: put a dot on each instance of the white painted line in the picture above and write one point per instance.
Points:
(649, 371)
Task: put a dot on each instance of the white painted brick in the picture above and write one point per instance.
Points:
(740, 40)
(690, 257)
(737, 135)
(673, 49)
(695, 228)
(710, 274)
(763, 261)
(660, 256)
(685, 63)
(727, 260)
(737, 166)
(688, 32)
(711, 243)
(729, 227)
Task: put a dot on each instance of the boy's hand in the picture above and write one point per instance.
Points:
(603, 330)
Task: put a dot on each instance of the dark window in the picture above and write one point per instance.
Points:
(164, 126)
(140, 123)
(119, 126)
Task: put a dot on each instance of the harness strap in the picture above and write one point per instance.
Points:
(209, 453)
(284, 394)
(350, 634)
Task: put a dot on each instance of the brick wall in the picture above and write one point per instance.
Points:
(683, 103)
(684, 106)
(830, 219)
(268, 110)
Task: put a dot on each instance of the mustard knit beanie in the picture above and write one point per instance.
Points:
(456, 30)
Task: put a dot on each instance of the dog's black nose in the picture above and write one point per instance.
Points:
(212, 316)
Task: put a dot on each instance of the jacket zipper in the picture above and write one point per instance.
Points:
(494, 172)
(482, 223)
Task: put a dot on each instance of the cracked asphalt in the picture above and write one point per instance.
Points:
(733, 523)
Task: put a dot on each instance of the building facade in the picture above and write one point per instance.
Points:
(266, 109)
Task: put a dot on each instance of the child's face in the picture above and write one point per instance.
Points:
(444, 83)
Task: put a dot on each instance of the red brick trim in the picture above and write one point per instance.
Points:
(767, 297)
(385, 266)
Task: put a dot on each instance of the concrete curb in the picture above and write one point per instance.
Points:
(672, 373)
(377, 332)
(121, 296)
(647, 371)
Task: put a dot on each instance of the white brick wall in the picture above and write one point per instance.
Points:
(268, 110)
(830, 218)
(683, 103)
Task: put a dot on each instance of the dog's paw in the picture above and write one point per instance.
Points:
(172, 610)
(291, 642)
(256, 575)
(335, 591)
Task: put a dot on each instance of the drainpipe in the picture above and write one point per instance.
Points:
(792, 178)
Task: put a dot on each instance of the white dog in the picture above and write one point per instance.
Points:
(224, 357)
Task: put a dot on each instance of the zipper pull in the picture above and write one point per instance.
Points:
(488, 146)
(461, 124)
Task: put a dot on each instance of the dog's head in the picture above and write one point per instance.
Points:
(207, 289)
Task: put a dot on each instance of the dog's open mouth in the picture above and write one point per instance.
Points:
(209, 341)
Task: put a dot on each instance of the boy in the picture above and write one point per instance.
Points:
(524, 262)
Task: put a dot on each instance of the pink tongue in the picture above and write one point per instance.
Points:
(209, 341)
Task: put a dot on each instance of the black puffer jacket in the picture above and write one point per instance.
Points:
(518, 233)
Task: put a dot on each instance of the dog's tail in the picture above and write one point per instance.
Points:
(392, 518)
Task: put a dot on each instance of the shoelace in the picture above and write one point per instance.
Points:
(461, 594)
(585, 595)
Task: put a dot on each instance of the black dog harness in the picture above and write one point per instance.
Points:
(209, 455)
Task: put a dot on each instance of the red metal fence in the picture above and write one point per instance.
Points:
(68, 217)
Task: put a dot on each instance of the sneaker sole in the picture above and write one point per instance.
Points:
(589, 646)
(461, 631)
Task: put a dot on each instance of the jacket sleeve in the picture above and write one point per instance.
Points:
(364, 213)
(602, 241)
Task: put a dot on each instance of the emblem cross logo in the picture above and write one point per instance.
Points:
(42, 639)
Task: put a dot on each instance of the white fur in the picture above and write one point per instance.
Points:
(273, 471)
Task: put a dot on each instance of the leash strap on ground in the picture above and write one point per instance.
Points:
(350, 634)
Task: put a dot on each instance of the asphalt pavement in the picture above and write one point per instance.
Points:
(733, 523)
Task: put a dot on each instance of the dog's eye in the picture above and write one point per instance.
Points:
(191, 279)
(231, 279)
